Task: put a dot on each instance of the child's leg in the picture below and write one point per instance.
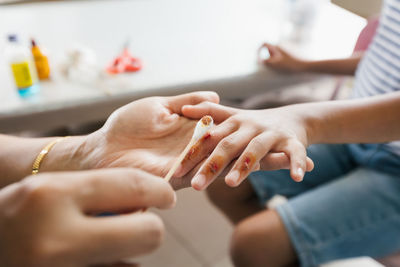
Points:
(262, 240)
(236, 203)
(357, 215)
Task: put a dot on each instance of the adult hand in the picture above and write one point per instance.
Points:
(282, 60)
(46, 220)
(148, 134)
(267, 139)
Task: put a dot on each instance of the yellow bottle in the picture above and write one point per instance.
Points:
(22, 67)
(41, 62)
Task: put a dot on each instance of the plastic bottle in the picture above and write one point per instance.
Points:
(41, 62)
(22, 67)
(301, 18)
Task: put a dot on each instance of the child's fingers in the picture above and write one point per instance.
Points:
(279, 160)
(275, 161)
(309, 164)
(257, 148)
(226, 151)
(298, 159)
(218, 112)
(273, 52)
(175, 103)
(185, 181)
(205, 146)
(263, 53)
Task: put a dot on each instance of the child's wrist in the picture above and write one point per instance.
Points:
(308, 122)
(313, 126)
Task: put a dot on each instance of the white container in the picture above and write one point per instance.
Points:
(23, 70)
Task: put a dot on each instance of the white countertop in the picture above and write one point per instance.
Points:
(185, 45)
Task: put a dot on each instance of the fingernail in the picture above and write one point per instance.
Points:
(233, 177)
(199, 181)
(300, 174)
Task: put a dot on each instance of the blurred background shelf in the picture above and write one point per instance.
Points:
(185, 45)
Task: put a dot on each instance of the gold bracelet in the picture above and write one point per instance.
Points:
(43, 153)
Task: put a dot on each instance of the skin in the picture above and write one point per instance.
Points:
(60, 206)
(47, 218)
(259, 132)
(282, 60)
(126, 140)
(260, 239)
(248, 246)
(363, 120)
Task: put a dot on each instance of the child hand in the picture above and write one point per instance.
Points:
(280, 59)
(267, 139)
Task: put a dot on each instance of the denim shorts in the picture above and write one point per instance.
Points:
(348, 206)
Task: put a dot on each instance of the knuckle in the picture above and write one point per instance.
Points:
(192, 98)
(296, 144)
(140, 182)
(215, 137)
(257, 143)
(236, 119)
(37, 189)
(227, 144)
(137, 184)
(196, 98)
(131, 173)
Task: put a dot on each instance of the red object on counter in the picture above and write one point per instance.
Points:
(125, 62)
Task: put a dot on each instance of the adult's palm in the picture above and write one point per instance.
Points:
(148, 134)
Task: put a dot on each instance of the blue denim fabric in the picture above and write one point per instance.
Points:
(348, 206)
(376, 157)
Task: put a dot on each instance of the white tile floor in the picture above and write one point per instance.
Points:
(197, 235)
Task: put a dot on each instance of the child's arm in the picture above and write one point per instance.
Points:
(280, 59)
(251, 135)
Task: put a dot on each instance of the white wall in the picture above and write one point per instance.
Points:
(365, 8)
